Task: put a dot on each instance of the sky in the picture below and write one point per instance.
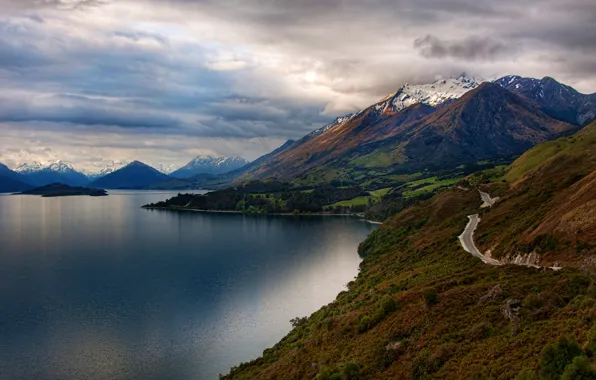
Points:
(91, 81)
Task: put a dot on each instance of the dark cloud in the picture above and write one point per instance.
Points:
(261, 69)
(471, 48)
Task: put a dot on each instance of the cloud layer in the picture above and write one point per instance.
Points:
(240, 76)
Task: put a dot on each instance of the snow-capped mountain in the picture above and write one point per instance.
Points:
(34, 166)
(556, 99)
(109, 168)
(166, 168)
(209, 165)
(39, 174)
(432, 94)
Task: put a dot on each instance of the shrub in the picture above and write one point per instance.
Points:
(424, 365)
(556, 356)
(591, 346)
(351, 371)
(365, 324)
(430, 297)
(579, 369)
(325, 374)
(388, 305)
(526, 374)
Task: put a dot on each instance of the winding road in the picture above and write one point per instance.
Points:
(467, 240)
(467, 237)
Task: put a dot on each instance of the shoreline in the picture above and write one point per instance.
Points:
(270, 214)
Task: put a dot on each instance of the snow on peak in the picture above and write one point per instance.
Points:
(214, 161)
(338, 121)
(107, 169)
(432, 94)
(166, 168)
(60, 166)
(36, 166)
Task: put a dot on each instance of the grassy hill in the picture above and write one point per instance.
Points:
(423, 308)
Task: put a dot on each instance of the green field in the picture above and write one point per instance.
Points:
(433, 183)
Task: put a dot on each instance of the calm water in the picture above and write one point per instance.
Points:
(97, 288)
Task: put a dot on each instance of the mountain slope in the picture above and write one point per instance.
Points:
(11, 181)
(421, 307)
(135, 175)
(209, 165)
(39, 174)
(556, 99)
(552, 198)
(375, 123)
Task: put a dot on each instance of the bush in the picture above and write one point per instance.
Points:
(424, 365)
(579, 369)
(526, 374)
(591, 346)
(557, 356)
(325, 374)
(365, 324)
(430, 297)
(351, 371)
(388, 305)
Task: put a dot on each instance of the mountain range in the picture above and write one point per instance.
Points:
(209, 165)
(440, 125)
(38, 174)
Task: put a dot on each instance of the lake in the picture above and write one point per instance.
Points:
(98, 288)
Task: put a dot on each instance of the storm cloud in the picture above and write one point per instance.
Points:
(113, 77)
(470, 48)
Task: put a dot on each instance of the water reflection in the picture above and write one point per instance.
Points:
(97, 288)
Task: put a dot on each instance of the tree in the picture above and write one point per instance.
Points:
(526, 374)
(556, 356)
(579, 369)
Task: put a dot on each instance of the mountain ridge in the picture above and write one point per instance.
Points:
(206, 164)
(135, 175)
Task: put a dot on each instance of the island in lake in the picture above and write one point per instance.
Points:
(62, 190)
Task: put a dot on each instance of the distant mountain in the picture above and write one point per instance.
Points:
(167, 168)
(109, 168)
(209, 165)
(135, 175)
(11, 181)
(40, 174)
(556, 99)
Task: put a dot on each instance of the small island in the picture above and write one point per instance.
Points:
(62, 190)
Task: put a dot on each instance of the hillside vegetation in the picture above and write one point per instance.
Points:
(423, 308)
(548, 213)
